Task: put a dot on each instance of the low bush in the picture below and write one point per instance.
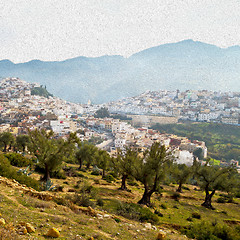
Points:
(83, 195)
(18, 160)
(221, 200)
(186, 188)
(96, 172)
(224, 212)
(6, 170)
(207, 230)
(109, 178)
(196, 215)
(136, 212)
(237, 195)
(81, 200)
(117, 220)
(70, 172)
(158, 213)
(96, 181)
(81, 175)
(60, 174)
(100, 202)
(163, 206)
(176, 196)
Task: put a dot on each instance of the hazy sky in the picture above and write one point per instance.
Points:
(61, 29)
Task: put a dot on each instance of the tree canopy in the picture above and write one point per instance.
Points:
(102, 113)
(151, 170)
(50, 152)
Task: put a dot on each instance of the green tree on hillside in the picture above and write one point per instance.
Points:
(7, 139)
(151, 170)
(102, 161)
(40, 91)
(22, 141)
(86, 153)
(50, 152)
(102, 113)
(181, 173)
(124, 165)
(211, 178)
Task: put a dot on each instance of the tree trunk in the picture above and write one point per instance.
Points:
(145, 200)
(80, 164)
(88, 165)
(46, 176)
(5, 147)
(179, 188)
(103, 174)
(123, 185)
(208, 199)
(10, 147)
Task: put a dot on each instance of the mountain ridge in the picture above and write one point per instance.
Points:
(182, 65)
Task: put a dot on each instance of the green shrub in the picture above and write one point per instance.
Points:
(224, 212)
(163, 206)
(109, 178)
(196, 215)
(186, 188)
(207, 231)
(81, 175)
(158, 213)
(6, 170)
(100, 202)
(83, 195)
(189, 219)
(136, 212)
(117, 220)
(114, 174)
(18, 160)
(221, 200)
(81, 200)
(237, 195)
(176, 196)
(60, 174)
(62, 201)
(70, 172)
(96, 181)
(96, 172)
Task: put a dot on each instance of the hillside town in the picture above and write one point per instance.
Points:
(198, 106)
(21, 110)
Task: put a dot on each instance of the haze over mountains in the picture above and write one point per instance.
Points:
(183, 65)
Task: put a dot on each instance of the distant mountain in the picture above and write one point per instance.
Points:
(183, 65)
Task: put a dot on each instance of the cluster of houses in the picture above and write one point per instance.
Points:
(125, 135)
(21, 111)
(202, 105)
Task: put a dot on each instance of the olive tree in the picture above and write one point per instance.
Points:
(151, 170)
(49, 151)
(124, 165)
(181, 173)
(211, 178)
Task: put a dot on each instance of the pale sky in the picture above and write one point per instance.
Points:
(61, 29)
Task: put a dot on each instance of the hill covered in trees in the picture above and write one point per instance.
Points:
(40, 91)
(84, 190)
(222, 140)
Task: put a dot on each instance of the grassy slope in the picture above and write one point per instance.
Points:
(17, 207)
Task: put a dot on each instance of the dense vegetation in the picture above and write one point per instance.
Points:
(148, 174)
(222, 140)
(40, 91)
